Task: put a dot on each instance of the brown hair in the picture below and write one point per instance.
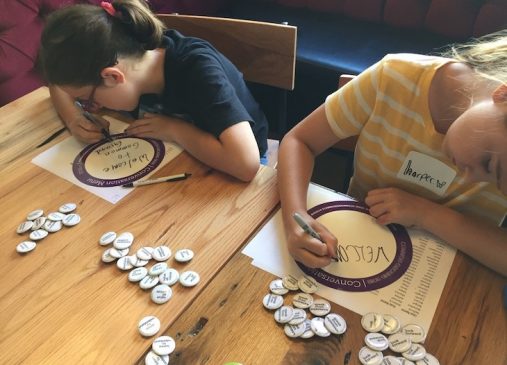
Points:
(80, 40)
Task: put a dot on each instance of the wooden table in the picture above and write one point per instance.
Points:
(61, 305)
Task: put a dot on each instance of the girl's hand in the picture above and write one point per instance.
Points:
(84, 130)
(308, 250)
(151, 126)
(392, 205)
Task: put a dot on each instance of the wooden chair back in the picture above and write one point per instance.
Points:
(264, 52)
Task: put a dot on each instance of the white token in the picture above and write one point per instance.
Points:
(372, 322)
(137, 262)
(148, 282)
(294, 330)
(184, 255)
(390, 360)
(169, 277)
(428, 360)
(35, 214)
(124, 263)
(158, 269)
(106, 256)
(302, 300)
(123, 241)
(376, 341)
(148, 326)
(335, 323)
(161, 294)
(290, 282)
(38, 223)
(320, 307)
(152, 358)
(272, 301)
(284, 314)
(163, 345)
(161, 253)
(404, 361)
(52, 226)
(276, 287)
(38, 234)
(56, 216)
(308, 284)
(138, 274)
(391, 324)
(415, 332)
(368, 356)
(415, 352)
(399, 342)
(26, 246)
(298, 316)
(189, 278)
(107, 238)
(308, 333)
(319, 327)
(67, 208)
(118, 253)
(144, 253)
(71, 219)
(24, 227)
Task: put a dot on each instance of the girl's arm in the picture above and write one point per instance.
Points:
(484, 242)
(295, 165)
(76, 123)
(235, 152)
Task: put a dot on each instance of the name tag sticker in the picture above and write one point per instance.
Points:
(426, 171)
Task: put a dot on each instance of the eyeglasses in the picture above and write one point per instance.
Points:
(88, 103)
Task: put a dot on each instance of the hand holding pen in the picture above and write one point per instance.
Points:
(329, 253)
(97, 121)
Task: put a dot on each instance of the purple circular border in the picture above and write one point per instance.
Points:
(78, 166)
(393, 272)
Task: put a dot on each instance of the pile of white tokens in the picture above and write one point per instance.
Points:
(405, 341)
(295, 318)
(40, 225)
(161, 347)
(159, 277)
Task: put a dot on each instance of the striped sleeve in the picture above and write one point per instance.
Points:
(350, 107)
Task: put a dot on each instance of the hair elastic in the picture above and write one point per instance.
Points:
(108, 8)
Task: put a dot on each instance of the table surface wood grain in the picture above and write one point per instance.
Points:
(61, 305)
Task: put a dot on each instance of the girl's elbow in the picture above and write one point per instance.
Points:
(248, 171)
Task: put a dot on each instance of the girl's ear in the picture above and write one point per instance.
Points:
(500, 94)
(112, 76)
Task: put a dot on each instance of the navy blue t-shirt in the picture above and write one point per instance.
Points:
(203, 87)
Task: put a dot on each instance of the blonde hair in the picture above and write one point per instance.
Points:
(486, 55)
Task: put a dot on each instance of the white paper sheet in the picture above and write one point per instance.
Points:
(413, 298)
(59, 160)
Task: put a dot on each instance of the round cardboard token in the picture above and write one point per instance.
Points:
(189, 278)
(169, 277)
(26, 246)
(149, 326)
(284, 314)
(184, 255)
(272, 301)
(161, 294)
(368, 356)
(67, 208)
(163, 345)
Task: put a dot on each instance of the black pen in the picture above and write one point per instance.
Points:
(158, 180)
(308, 229)
(94, 120)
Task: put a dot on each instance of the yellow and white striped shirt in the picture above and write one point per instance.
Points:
(387, 106)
